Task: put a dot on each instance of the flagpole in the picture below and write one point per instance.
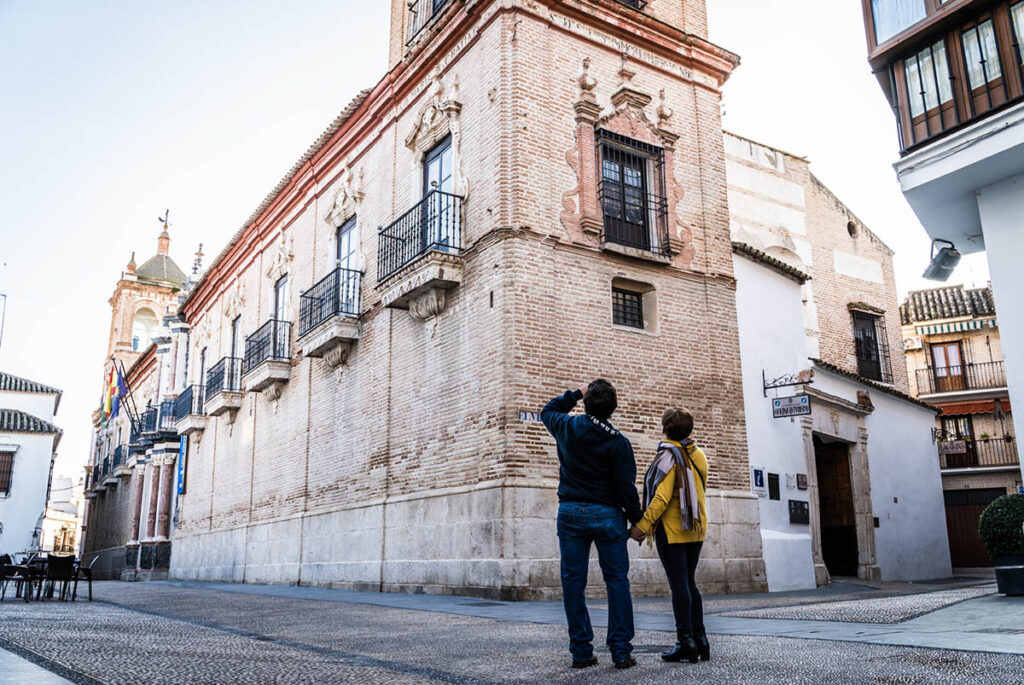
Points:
(133, 410)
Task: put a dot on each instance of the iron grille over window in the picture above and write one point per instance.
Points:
(635, 4)
(6, 469)
(337, 294)
(632, 192)
(224, 375)
(420, 12)
(435, 223)
(872, 347)
(627, 308)
(270, 342)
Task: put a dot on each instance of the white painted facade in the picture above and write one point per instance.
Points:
(769, 311)
(22, 510)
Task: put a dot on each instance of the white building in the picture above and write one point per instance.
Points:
(853, 488)
(28, 447)
(62, 524)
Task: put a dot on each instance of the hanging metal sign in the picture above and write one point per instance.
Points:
(952, 447)
(797, 405)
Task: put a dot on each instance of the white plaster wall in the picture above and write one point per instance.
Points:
(771, 326)
(20, 511)
(1001, 207)
(38, 405)
(911, 542)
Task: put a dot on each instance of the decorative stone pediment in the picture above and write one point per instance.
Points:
(233, 305)
(281, 257)
(437, 119)
(629, 114)
(347, 199)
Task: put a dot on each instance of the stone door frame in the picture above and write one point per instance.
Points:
(839, 419)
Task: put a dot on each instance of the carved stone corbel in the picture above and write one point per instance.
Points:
(337, 356)
(429, 305)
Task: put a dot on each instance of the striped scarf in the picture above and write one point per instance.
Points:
(668, 456)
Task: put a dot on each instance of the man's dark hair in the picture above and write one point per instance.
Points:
(677, 423)
(600, 400)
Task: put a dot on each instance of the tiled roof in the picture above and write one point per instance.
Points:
(316, 147)
(771, 262)
(17, 421)
(950, 302)
(12, 383)
(161, 268)
(881, 387)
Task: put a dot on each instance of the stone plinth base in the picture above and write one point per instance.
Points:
(489, 541)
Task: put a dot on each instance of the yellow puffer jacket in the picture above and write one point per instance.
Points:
(664, 508)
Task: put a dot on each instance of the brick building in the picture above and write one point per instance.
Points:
(852, 487)
(532, 196)
(129, 472)
(954, 356)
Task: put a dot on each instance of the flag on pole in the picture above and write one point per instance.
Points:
(109, 394)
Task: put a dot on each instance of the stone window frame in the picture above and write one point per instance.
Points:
(649, 303)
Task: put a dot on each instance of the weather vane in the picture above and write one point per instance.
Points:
(163, 219)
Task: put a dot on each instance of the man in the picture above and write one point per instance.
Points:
(596, 496)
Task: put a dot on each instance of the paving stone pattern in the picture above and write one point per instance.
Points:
(158, 633)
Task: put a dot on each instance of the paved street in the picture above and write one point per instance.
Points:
(212, 633)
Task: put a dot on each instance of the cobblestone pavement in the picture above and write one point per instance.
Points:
(161, 633)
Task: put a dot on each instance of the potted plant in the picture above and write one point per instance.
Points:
(1002, 530)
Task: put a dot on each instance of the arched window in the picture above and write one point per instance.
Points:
(144, 327)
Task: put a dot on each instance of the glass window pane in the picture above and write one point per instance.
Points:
(981, 54)
(1017, 15)
(927, 74)
(894, 16)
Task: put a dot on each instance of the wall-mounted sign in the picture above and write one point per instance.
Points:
(759, 481)
(801, 481)
(797, 405)
(182, 454)
(529, 416)
(799, 511)
(952, 447)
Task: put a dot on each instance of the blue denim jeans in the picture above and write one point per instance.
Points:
(579, 524)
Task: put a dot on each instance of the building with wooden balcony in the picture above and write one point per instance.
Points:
(954, 355)
(953, 72)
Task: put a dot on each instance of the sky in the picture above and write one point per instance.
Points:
(112, 112)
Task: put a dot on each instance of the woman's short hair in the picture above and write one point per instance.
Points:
(677, 423)
(600, 400)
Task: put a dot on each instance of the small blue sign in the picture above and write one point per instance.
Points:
(182, 454)
(529, 416)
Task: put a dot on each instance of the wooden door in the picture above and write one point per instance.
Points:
(948, 367)
(835, 503)
(963, 511)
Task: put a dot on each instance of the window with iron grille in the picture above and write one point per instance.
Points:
(871, 346)
(632, 192)
(627, 308)
(6, 471)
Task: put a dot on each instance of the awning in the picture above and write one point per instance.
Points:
(973, 407)
(955, 327)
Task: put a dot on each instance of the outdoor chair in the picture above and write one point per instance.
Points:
(84, 573)
(59, 569)
(9, 571)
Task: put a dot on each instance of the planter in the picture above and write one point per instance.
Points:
(1010, 575)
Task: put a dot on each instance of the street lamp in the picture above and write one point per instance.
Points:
(943, 262)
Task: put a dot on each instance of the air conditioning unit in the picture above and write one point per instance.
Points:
(913, 343)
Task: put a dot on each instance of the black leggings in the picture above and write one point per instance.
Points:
(680, 562)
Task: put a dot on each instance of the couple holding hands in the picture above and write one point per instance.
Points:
(597, 496)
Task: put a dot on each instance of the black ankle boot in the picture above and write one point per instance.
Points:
(685, 649)
(703, 647)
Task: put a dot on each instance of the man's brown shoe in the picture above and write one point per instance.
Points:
(585, 664)
(628, 662)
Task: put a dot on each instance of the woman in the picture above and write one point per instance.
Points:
(678, 525)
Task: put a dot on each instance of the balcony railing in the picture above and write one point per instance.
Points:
(420, 12)
(336, 294)
(958, 75)
(148, 420)
(190, 401)
(224, 375)
(981, 453)
(270, 342)
(95, 480)
(106, 467)
(168, 415)
(119, 453)
(435, 223)
(942, 379)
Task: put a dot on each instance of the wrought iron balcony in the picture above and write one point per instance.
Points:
(148, 420)
(189, 402)
(950, 379)
(421, 12)
(167, 416)
(119, 454)
(225, 375)
(435, 223)
(981, 453)
(336, 294)
(270, 342)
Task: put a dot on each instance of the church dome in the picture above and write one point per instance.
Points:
(160, 268)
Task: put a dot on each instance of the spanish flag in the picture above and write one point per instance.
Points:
(109, 396)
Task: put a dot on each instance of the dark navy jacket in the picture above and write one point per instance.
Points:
(596, 462)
